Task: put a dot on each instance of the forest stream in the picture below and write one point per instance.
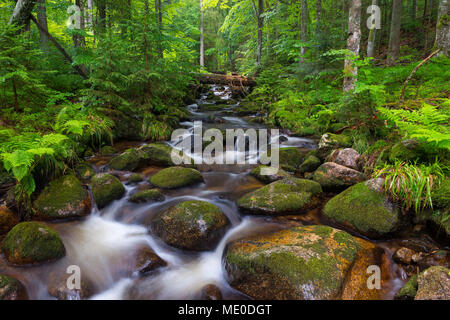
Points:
(105, 244)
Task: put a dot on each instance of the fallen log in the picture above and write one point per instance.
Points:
(210, 78)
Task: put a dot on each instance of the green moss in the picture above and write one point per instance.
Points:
(364, 209)
(176, 177)
(84, 171)
(62, 198)
(409, 290)
(135, 178)
(147, 196)
(158, 154)
(107, 151)
(256, 172)
(337, 140)
(11, 288)
(31, 243)
(106, 188)
(192, 211)
(311, 164)
(127, 161)
(441, 195)
(408, 150)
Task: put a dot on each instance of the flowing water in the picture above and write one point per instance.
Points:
(104, 244)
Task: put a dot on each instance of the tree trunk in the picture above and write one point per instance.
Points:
(304, 29)
(260, 31)
(90, 19)
(413, 10)
(319, 18)
(158, 10)
(353, 44)
(394, 38)
(102, 16)
(42, 18)
(202, 36)
(22, 12)
(443, 28)
(372, 37)
(78, 40)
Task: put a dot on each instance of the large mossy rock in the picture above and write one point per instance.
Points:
(127, 161)
(147, 196)
(434, 284)
(290, 158)
(63, 198)
(32, 243)
(409, 290)
(84, 171)
(310, 164)
(11, 289)
(441, 195)
(191, 225)
(334, 177)
(290, 195)
(157, 154)
(407, 150)
(106, 188)
(303, 263)
(329, 142)
(7, 220)
(281, 174)
(107, 151)
(176, 177)
(365, 208)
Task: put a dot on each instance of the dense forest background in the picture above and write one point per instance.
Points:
(126, 69)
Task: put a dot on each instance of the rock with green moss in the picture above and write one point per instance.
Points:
(281, 174)
(89, 153)
(409, 290)
(329, 142)
(11, 289)
(135, 178)
(107, 151)
(7, 220)
(63, 198)
(310, 165)
(147, 196)
(84, 171)
(334, 177)
(290, 158)
(176, 177)
(106, 188)
(441, 195)
(157, 154)
(366, 209)
(191, 225)
(32, 243)
(434, 284)
(290, 195)
(407, 150)
(302, 263)
(127, 161)
(437, 220)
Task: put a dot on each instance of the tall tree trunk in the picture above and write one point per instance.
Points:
(319, 18)
(260, 31)
(344, 19)
(353, 44)
(22, 12)
(89, 15)
(202, 36)
(303, 29)
(158, 10)
(428, 26)
(372, 37)
(78, 40)
(42, 18)
(413, 10)
(443, 28)
(394, 38)
(101, 5)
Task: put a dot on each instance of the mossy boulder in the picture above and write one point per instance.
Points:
(135, 178)
(11, 289)
(107, 151)
(434, 284)
(290, 195)
(147, 196)
(441, 195)
(281, 174)
(409, 290)
(127, 161)
(157, 154)
(329, 142)
(7, 220)
(310, 164)
(84, 171)
(191, 225)
(290, 158)
(32, 243)
(63, 198)
(407, 150)
(106, 188)
(302, 263)
(366, 209)
(347, 157)
(334, 177)
(176, 177)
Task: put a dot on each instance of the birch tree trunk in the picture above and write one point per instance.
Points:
(394, 38)
(42, 18)
(353, 44)
(303, 28)
(90, 20)
(443, 28)
(22, 12)
(202, 36)
(372, 37)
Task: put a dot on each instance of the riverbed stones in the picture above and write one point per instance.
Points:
(127, 161)
(63, 198)
(150, 195)
(106, 188)
(176, 177)
(211, 292)
(57, 287)
(291, 195)
(310, 164)
(147, 261)
(304, 263)
(135, 178)
(281, 174)
(334, 177)
(7, 220)
(11, 289)
(32, 243)
(434, 284)
(157, 154)
(191, 225)
(365, 209)
(347, 157)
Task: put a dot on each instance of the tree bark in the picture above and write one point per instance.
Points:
(260, 31)
(443, 28)
(22, 12)
(372, 37)
(353, 44)
(303, 29)
(42, 18)
(319, 18)
(394, 38)
(158, 10)
(79, 40)
(202, 36)
(102, 16)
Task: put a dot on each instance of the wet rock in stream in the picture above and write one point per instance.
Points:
(11, 289)
(147, 260)
(106, 188)
(281, 174)
(176, 177)
(7, 220)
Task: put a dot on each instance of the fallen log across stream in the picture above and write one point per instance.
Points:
(230, 80)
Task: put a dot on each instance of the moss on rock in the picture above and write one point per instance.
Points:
(158, 154)
(147, 196)
(7, 220)
(311, 164)
(127, 161)
(84, 171)
(303, 263)
(284, 196)
(11, 289)
(176, 177)
(281, 174)
(106, 188)
(409, 290)
(191, 225)
(135, 178)
(63, 198)
(441, 195)
(107, 151)
(32, 243)
(290, 158)
(333, 176)
(407, 150)
(364, 209)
